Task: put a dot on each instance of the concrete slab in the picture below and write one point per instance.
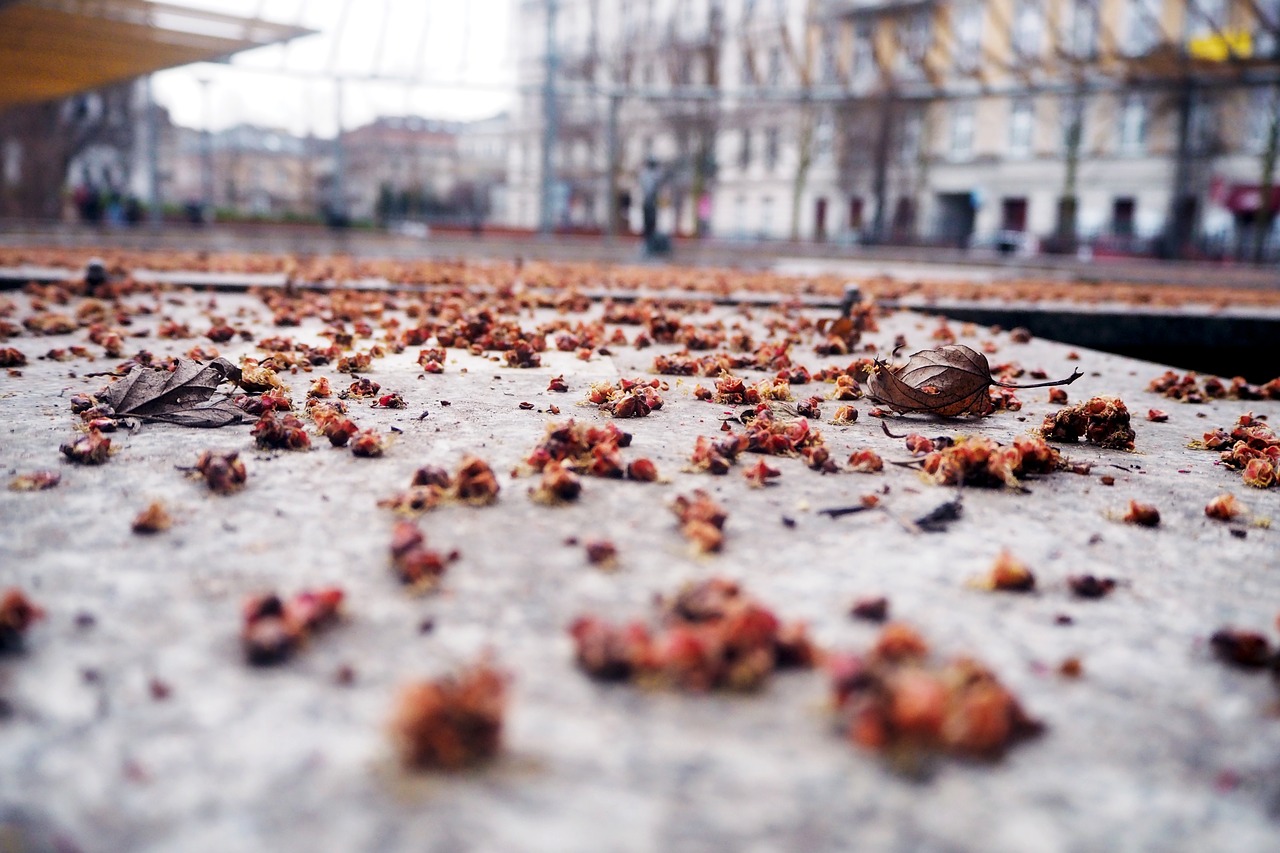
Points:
(1156, 747)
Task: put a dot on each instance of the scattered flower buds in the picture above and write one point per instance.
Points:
(1103, 421)
(451, 722)
(1008, 574)
(414, 563)
(223, 473)
(154, 519)
(17, 613)
(712, 636)
(281, 432)
(701, 521)
(1225, 507)
(895, 701)
(92, 448)
(1143, 515)
(274, 628)
(35, 481)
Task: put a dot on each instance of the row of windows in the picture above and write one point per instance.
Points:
(1132, 124)
(1076, 32)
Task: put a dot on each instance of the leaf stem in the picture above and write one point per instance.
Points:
(1075, 374)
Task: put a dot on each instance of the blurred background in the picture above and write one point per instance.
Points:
(1080, 128)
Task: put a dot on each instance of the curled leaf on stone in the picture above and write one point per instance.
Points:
(182, 396)
(948, 381)
(843, 328)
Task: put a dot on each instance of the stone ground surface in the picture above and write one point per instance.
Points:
(1157, 747)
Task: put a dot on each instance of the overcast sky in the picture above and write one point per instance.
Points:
(432, 40)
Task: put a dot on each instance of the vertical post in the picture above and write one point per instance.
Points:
(1178, 229)
(546, 222)
(1262, 228)
(1068, 204)
(206, 156)
(337, 204)
(154, 214)
(612, 223)
(880, 179)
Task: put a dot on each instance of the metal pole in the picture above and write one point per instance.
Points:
(338, 202)
(612, 213)
(154, 214)
(547, 219)
(206, 152)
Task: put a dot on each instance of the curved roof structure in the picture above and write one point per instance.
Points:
(55, 48)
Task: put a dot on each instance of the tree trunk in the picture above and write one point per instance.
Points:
(804, 152)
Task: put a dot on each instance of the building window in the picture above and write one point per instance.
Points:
(830, 61)
(12, 160)
(1266, 30)
(1021, 127)
(744, 152)
(1142, 30)
(1081, 33)
(1202, 127)
(1206, 18)
(968, 34)
(914, 33)
(1133, 125)
(962, 130)
(748, 68)
(1028, 29)
(855, 213)
(1123, 216)
(771, 145)
(824, 133)
(766, 216)
(775, 66)
(864, 54)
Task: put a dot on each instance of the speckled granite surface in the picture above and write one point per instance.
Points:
(1157, 747)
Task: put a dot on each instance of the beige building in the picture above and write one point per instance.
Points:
(251, 170)
(1134, 124)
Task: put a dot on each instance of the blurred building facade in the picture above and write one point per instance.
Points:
(247, 170)
(1145, 125)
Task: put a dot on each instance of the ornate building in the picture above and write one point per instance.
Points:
(1143, 125)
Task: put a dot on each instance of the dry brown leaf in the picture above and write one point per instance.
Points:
(181, 396)
(948, 381)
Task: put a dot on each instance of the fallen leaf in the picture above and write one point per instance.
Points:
(179, 397)
(948, 381)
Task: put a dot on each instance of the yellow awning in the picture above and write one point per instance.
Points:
(55, 48)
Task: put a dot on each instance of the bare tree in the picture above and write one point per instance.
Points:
(801, 51)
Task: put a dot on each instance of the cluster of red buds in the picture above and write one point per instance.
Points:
(451, 722)
(893, 700)
(91, 448)
(473, 483)
(712, 635)
(274, 628)
(281, 432)
(17, 613)
(1103, 421)
(223, 473)
(1251, 447)
(414, 563)
(432, 360)
(630, 398)
(984, 462)
(702, 521)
